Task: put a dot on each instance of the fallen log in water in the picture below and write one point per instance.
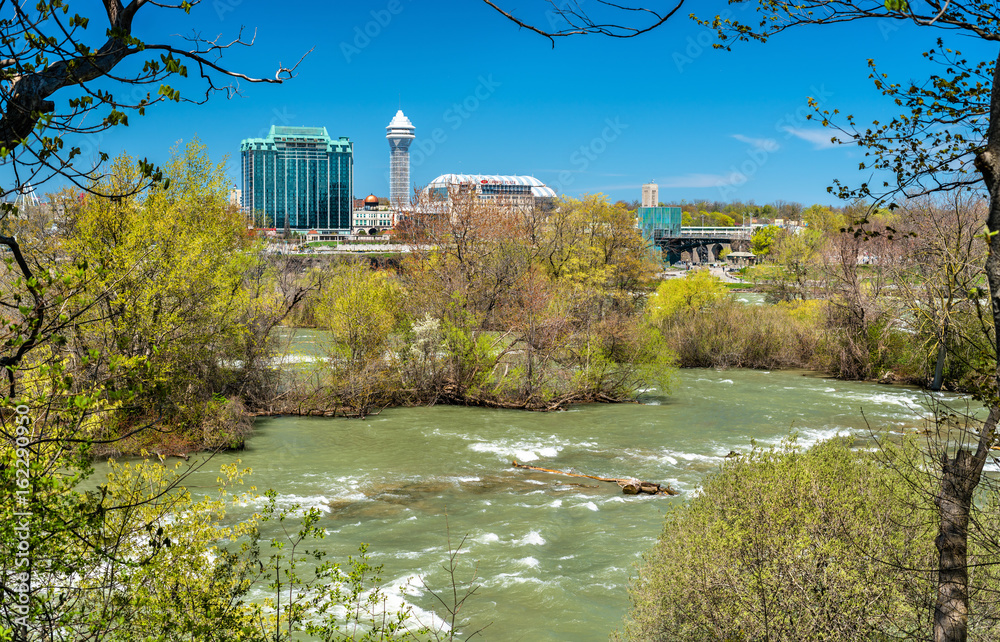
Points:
(628, 486)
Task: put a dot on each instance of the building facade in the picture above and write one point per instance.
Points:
(400, 134)
(299, 178)
(373, 217)
(650, 195)
(657, 223)
(517, 192)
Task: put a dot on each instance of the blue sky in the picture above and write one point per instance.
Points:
(590, 115)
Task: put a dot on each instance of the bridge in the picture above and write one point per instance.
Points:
(703, 242)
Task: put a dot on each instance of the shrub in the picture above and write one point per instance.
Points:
(788, 545)
(734, 335)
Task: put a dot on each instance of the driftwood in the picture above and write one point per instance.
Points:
(628, 486)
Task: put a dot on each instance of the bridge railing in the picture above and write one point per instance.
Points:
(741, 232)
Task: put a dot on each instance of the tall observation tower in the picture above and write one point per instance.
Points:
(400, 135)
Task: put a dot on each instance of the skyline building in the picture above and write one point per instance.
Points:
(373, 216)
(518, 192)
(298, 177)
(650, 195)
(399, 133)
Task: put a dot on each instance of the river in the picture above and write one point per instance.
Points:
(553, 556)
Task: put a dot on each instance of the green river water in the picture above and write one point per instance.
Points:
(554, 557)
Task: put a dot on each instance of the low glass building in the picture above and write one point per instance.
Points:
(298, 177)
(657, 223)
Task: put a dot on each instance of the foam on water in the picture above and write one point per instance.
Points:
(530, 562)
(811, 437)
(521, 451)
(673, 457)
(286, 502)
(533, 538)
(504, 580)
(394, 600)
(899, 398)
(295, 358)
(486, 538)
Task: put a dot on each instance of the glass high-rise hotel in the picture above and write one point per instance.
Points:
(299, 175)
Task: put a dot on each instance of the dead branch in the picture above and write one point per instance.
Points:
(629, 486)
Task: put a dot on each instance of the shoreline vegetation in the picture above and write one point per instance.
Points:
(167, 310)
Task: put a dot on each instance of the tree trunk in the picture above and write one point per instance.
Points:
(959, 478)
(960, 474)
(939, 367)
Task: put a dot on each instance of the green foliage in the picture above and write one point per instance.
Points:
(167, 307)
(528, 310)
(733, 334)
(872, 346)
(823, 219)
(780, 544)
(697, 291)
(702, 218)
(795, 254)
(152, 562)
(594, 243)
(897, 5)
(763, 239)
(362, 309)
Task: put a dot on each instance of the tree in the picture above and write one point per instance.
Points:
(940, 278)
(763, 240)
(947, 136)
(362, 309)
(795, 252)
(854, 272)
(46, 52)
(951, 122)
(698, 291)
(168, 297)
(59, 79)
(787, 210)
(528, 308)
(823, 219)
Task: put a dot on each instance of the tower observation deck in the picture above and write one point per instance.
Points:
(399, 133)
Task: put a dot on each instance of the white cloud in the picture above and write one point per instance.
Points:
(704, 180)
(763, 144)
(820, 138)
